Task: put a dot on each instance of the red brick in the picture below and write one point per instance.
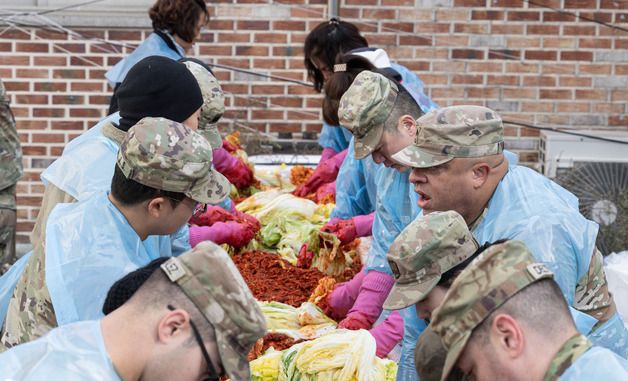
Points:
(519, 94)
(253, 25)
(86, 86)
(125, 35)
(86, 113)
(507, 3)
(503, 80)
(251, 50)
(470, 3)
(14, 60)
(507, 29)
(31, 124)
(32, 47)
(269, 63)
(348, 13)
(29, 150)
(591, 94)
(487, 15)
(267, 114)
(288, 51)
(621, 44)
(50, 86)
(67, 125)
(432, 28)
(467, 79)
(67, 99)
(597, 43)
(68, 47)
(597, 16)
(415, 40)
(569, 107)
(471, 28)
(613, 4)
(551, 16)
(216, 50)
(581, 4)
(617, 95)
(268, 89)
(47, 138)
(539, 81)
(617, 120)
(555, 94)
(288, 25)
(381, 39)
(524, 16)
(504, 54)
(6, 47)
(223, 25)
(578, 30)
(576, 56)
(540, 55)
(471, 54)
(302, 115)
(594, 69)
(68, 73)
(483, 92)
(378, 13)
(580, 82)
(287, 101)
(543, 29)
(621, 69)
(49, 61)
(317, 13)
(36, 99)
(400, 3)
(275, 38)
(32, 73)
(87, 61)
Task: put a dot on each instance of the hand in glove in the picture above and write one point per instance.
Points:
(212, 215)
(342, 298)
(324, 192)
(348, 230)
(236, 171)
(368, 305)
(231, 233)
(325, 172)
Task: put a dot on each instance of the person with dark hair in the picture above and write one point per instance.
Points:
(458, 163)
(322, 47)
(163, 175)
(187, 318)
(177, 25)
(505, 318)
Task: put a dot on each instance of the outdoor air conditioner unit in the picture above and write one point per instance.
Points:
(561, 151)
(595, 171)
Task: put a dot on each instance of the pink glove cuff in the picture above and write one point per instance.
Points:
(364, 224)
(339, 158)
(378, 282)
(388, 333)
(197, 235)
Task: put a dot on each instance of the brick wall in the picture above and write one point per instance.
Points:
(528, 62)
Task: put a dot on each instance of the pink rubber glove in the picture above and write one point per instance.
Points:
(212, 215)
(348, 230)
(325, 190)
(344, 295)
(231, 233)
(388, 333)
(327, 153)
(325, 172)
(237, 172)
(368, 305)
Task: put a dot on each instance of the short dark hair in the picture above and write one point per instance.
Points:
(326, 42)
(130, 192)
(179, 17)
(124, 288)
(405, 104)
(541, 305)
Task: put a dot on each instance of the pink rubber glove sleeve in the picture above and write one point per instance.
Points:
(375, 288)
(327, 153)
(388, 333)
(344, 294)
(222, 160)
(339, 158)
(364, 224)
(219, 233)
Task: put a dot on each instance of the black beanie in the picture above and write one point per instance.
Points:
(123, 289)
(159, 87)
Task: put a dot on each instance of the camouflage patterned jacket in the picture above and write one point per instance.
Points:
(10, 153)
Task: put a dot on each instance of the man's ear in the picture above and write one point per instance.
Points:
(407, 125)
(173, 326)
(479, 174)
(507, 335)
(155, 206)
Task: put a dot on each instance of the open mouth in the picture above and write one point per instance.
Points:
(423, 198)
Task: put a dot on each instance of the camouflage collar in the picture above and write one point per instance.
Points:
(566, 356)
(112, 132)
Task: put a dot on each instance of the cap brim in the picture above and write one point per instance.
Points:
(413, 157)
(453, 354)
(212, 189)
(365, 145)
(211, 134)
(407, 294)
(235, 362)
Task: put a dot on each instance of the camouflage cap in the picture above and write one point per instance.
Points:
(455, 131)
(167, 155)
(364, 108)
(423, 251)
(429, 356)
(213, 103)
(488, 282)
(212, 282)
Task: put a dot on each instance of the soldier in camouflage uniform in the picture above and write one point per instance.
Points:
(163, 170)
(10, 172)
(505, 318)
(458, 163)
(425, 258)
(193, 318)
